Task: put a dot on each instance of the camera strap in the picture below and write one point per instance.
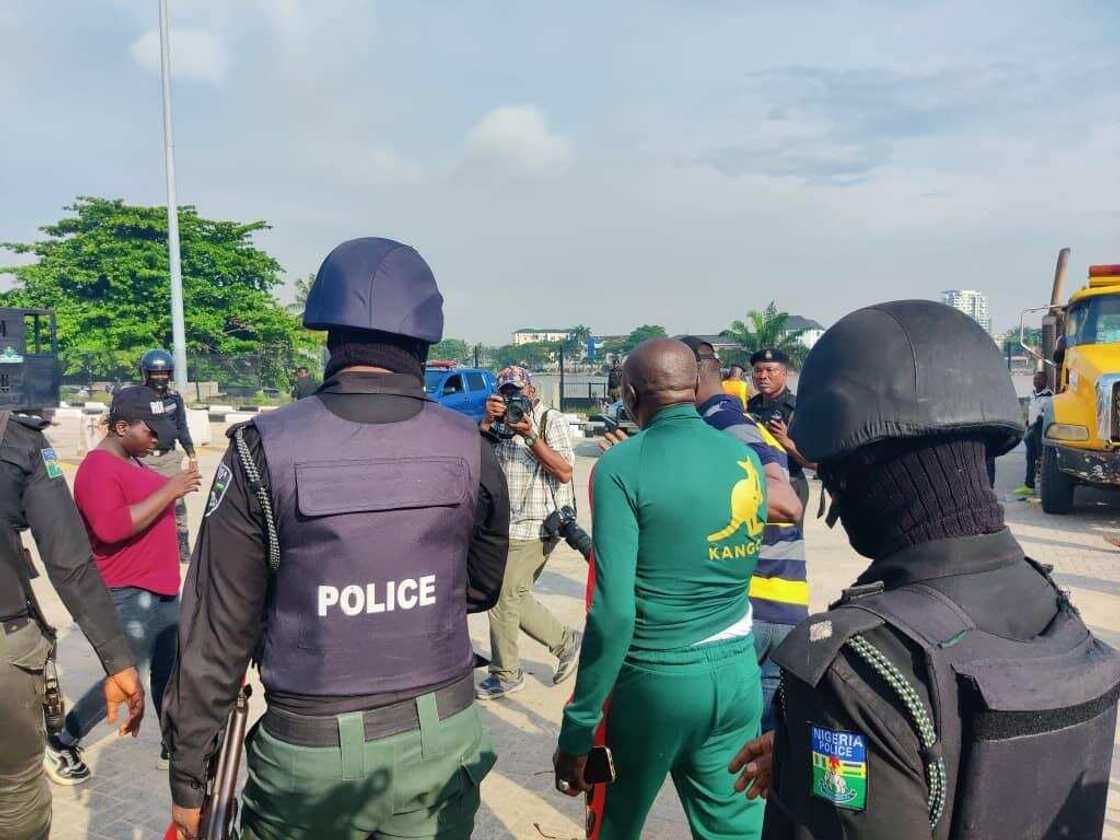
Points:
(549, 480)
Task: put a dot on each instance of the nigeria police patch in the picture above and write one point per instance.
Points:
(839, 772)
(218, 490)
(50, 461)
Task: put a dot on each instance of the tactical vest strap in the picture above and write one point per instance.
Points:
(260, 489)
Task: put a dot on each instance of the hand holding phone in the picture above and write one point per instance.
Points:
(600, 766)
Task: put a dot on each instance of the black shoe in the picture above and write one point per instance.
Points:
(64, 764)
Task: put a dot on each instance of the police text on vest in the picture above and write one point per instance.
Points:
(404, 594)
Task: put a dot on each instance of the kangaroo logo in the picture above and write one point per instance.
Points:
(746, 499)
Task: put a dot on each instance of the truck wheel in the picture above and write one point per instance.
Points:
(1056, 487)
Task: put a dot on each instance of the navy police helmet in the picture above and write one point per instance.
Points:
(376, 284)
(155, 361)
(904, 369)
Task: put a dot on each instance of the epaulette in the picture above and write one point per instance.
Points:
(36, 424)
(812, 645)
(232, 430)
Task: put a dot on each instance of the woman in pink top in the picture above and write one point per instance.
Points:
(129, 512)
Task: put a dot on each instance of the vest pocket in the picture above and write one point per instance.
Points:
(326, 488)
(1057, 778)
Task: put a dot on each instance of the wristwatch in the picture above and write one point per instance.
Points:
(531, 441)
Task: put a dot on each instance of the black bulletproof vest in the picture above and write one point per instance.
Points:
(1024, 728)
(374, 522)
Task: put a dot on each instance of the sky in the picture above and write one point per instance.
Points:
(676, 162)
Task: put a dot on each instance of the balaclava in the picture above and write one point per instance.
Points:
(901, 493)
(396, 353)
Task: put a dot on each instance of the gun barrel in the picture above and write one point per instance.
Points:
(220, 808)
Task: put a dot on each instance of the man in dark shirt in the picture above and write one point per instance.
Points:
(33, 494)
(374, 389)
(156, 369)
(773, 405)
(304, 386)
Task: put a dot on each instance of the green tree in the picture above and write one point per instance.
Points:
(642, 333)
(765, 329)
(1032, 335)
(534, 355)
(575, 346)
(452, 348)
(302, 287)
(104, 270)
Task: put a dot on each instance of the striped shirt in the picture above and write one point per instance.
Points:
(779, 589)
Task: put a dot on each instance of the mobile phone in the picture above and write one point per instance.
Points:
(599, 769)
(610, 423)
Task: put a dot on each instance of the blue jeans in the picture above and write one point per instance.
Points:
(767, 637)
(151, 624)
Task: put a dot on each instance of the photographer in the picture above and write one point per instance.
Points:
(534, 449)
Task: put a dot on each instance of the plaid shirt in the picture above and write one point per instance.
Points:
(531, 486)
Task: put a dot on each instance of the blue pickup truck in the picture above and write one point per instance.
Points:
(461, 389)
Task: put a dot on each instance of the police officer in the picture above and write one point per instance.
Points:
(953, 691)
(156, 370)
(774, 405)
(33, 494)
(346, 537)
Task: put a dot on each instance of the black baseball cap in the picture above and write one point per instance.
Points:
(770, 354)
(699, 347)
(139, 403)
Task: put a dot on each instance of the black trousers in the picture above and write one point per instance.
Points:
(1033, 440)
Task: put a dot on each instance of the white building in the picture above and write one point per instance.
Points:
(531, 336)
(972, 303)
(811, 330)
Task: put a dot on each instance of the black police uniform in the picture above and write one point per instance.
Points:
(329, 677)
(165, 459)
(782, 408)
(34, 494)
(304, 388)
(935, 698)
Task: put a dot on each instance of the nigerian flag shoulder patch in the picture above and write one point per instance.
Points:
(839, 773)
(218, 491)
(50, 461)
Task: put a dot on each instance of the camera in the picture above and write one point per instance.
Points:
(561, 524)
(518, 407)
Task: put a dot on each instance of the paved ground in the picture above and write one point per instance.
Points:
(128, 800)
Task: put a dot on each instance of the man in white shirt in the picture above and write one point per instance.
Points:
(1033, 439)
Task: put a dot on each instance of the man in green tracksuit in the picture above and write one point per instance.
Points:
(678, 515)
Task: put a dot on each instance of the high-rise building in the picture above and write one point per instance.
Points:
(972, 303)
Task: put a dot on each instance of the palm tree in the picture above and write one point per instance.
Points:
(766, 329)
(576, 343)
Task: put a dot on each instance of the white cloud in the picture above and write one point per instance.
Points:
(195, 54)
(517, 139)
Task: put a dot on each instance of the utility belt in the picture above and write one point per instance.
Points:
(405, 716)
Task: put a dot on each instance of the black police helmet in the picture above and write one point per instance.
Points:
(155, 361)
(904, 369)
(376, 284)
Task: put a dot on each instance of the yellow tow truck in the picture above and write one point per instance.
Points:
(1081, 424)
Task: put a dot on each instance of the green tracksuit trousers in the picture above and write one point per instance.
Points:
(685, 713)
